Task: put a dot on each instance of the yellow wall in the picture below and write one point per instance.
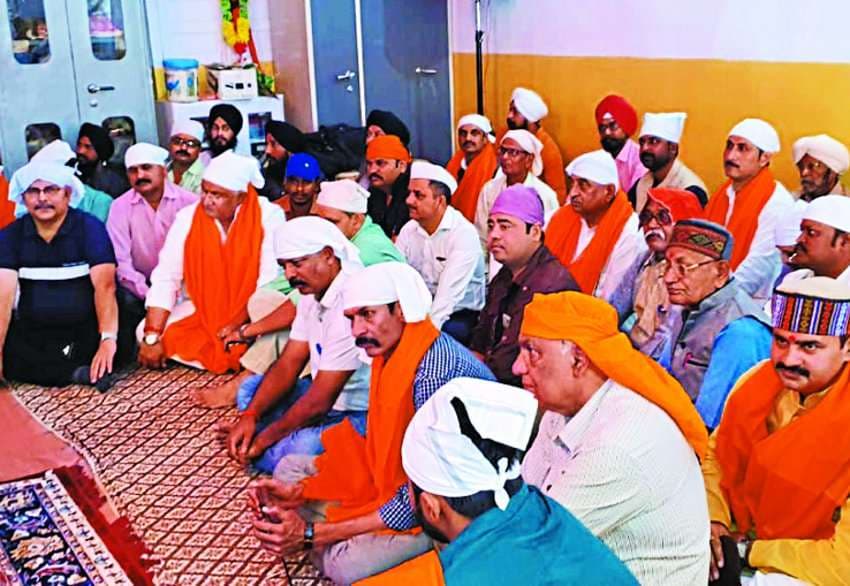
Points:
(797, 98)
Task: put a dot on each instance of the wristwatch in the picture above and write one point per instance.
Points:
(108, 336)
(744, 551)
(308, 535)
(151, 338)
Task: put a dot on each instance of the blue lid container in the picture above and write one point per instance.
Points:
(180, 63)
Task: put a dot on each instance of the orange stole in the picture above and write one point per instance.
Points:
(220, 277)
(363, 474)
(553, 165)
(479, 172)
(562, 239)
(424, 570)
(749, 203)
(788, 483)
(7, 208)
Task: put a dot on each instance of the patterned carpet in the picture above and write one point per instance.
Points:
(157, 456)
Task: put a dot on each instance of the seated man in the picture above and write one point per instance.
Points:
(388, 171)
(223, 125)
(382, 123)
(597, 236)
(462, 453)
(186, 168)
(94, 149)
(776, 467)
(474, 163)
(821, 161)
(300, 185)
(220, 257)
(137, 225)
(515, 241)
(441, 244)
(65, 327)
(369, 525)
(280, 413)
(641, 299)
(619, 443)
(823, 247)
(282, 141)
(617, 121)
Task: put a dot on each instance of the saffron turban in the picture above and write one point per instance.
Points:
(387, 147)
(344, 195)
(52, 172)
(234, 172)
(597, 166)
(143, 153)
(825, 149)
(529, 104)
(480, 122)
(521, 202)
(389, 123)
(758, 132)
(189, 127)
(832, 210)
(388, 282)
(308, 235)
(665, 125)
(682, 204)
(528, 143)
(618, 108)
(229, 114)
(422, 169)
(56, 151)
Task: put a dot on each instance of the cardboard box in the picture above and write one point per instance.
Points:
(232, 83)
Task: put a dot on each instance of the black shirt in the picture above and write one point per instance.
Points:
(395, 215)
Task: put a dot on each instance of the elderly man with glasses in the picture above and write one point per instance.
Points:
(724, 332)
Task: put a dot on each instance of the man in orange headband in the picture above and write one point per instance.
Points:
(778, 467)
(619, 442)
(388, 170)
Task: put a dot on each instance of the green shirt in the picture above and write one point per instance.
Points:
(191, 179)
(374, 245)
(95, 202)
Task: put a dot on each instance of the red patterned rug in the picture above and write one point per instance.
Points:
(156, 454)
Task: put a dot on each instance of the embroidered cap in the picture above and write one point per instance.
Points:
(817, 306)
(704, 237)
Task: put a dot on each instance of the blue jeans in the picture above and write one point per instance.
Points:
(305, 441)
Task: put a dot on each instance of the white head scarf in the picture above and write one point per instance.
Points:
(832, 210)
(388, 282)
(758, 132)
(440, 459)
(422, 169)
(529, 104)
(665, 125)
(825, 149)
(143, 153)
(234, 172)
(597, 166)
(787, 229)
(55, 173)
(310, 234)
(189, 127)
(345, 195)
(57, 151)
(530, 144)
(480, 122)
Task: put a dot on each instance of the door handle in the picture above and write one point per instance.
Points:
(425, 71)
(93, 88)
(346, 76)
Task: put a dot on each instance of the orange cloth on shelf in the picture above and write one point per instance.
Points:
(806, 462)
(562, 239)
(479, 172)
(362, 474)
(423, 570)
(744, 221)
(220, 277)
(591, 323)
(7, 208)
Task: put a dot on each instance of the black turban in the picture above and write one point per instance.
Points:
(287, 135)
(229, 114)
(389, 123)
(100, 140)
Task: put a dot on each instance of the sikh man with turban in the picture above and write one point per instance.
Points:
(186, 169)
(388, 170)
(94, 149)
(474, 163)
(219, 251)
(823, 245)
(619, 442)
(370, 524)
(641, 299)
(659, 141)
(777, 470)
(516, 241)
(382, 123)
(223, 125)
(821, 161)
(462, 453)
(597, 236)
(617, 121)
(282, 141)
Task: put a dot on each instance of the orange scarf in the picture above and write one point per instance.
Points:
(7, 208)
(423, 570)
(789, 483)
(749, 203)
(562, 239)
(363, 474)
(220, 277)
(479, 172)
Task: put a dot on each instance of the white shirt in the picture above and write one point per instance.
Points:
(491, 190)
(629, 246)
(450, 261)
(624, 469)
(327, 331)
(167, 277)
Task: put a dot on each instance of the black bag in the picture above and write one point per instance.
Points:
(338, 148)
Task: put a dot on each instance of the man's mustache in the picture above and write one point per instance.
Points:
(375, 176)
(182, 152)
(793, 369)
(467, 143)
(141, 182)
(44, 206)
(655, 232)
(297, 283)
(364, 342)
(730, 164)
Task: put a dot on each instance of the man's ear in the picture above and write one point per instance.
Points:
(612, 193)
(431, 507)
(765, 158)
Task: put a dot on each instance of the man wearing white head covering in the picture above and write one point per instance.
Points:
(367, 528)
(659, 141)
(525, 112)
(344, 204)
(474, 163)
(443, 246)
(751, 197)
(219, 251)
(65, 326)
(821, 161)
(519, 163)
(184, 145)
(823, 244)
(462, 453)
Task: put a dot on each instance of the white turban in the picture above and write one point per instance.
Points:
(388, 282)
(758, 132)
(480, 122)
(143, 153)
(825, 149)
(422, 169)
(787, 229)
(441, 459)
(57, 151)
(665, 125)
(530, 144)
(529, 104)
(55, 173)
(189, 127)
(234, 172)
(597, 166)
(344, 195)
(308, 235)
(832, 210)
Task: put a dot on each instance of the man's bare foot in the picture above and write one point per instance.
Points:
(222, 395)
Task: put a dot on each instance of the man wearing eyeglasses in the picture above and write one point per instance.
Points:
(821, 160)
(186, 167)
(724, 332)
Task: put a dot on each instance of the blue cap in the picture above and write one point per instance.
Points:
(304, 166)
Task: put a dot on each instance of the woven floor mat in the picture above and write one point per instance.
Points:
(157, 455)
